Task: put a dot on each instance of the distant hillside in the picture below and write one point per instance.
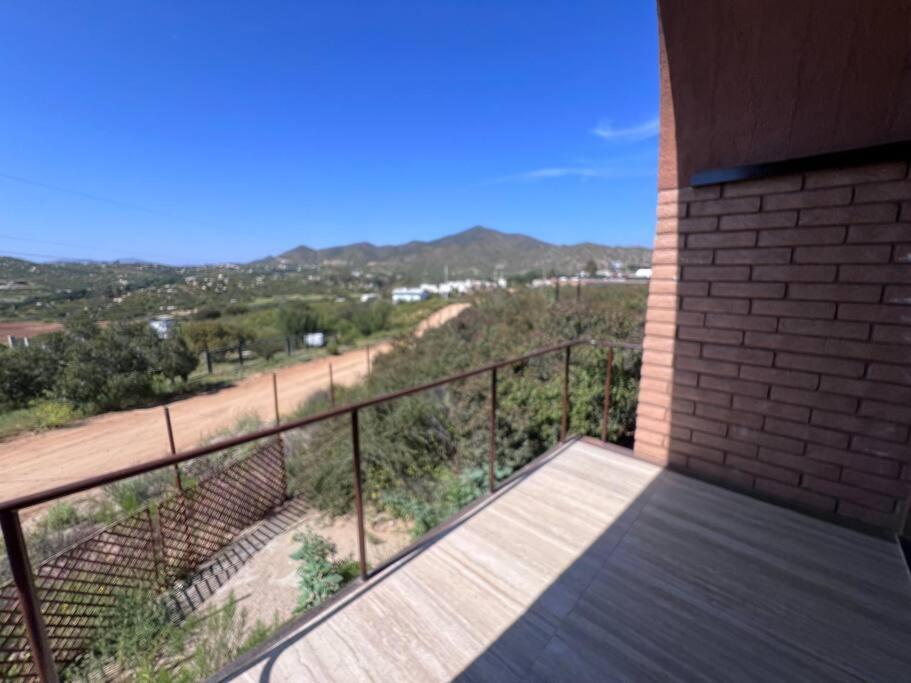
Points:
(477, 252)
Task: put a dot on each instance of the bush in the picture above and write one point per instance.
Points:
(267, 347)
(61, 515)
(52, 414)
(318, 578)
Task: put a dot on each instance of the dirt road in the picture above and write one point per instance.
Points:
(114, 440)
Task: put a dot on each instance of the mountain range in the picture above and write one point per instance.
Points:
(476, 252)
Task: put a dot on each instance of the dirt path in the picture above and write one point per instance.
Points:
(111, 441)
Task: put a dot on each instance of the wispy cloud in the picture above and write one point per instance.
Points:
(612, 171)
(642, 131)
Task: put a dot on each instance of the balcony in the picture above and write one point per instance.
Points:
(591, 565)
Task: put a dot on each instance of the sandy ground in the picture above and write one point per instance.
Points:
(266, 586)
(108, 442)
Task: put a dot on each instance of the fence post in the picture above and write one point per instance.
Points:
(240, 353)
(288, 345)
(331, 387)
(29, 605)
(607, 383)
(564, 423)
(157, 549)
(167, 421)
(578, 289)
(492, 453)
(208, 360)
(278, 418)
(358, 493)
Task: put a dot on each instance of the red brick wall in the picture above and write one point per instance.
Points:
(778, 340)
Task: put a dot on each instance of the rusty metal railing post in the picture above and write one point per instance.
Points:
(278, 418)
(368, 359)
(240, 354)
(607, 382)
(331, 387)
(358, 492)
(167, 421)
(29, 605)
(492, 453)
(564, 423)
(208, 361)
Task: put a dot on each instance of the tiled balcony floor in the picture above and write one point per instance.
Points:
(599, 567)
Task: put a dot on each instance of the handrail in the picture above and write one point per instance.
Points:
(71, 488)
(42, 657)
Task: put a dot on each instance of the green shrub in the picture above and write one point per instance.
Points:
(52, 414)
(61, 515)
(317, 577)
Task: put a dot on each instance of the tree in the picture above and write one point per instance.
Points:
(591, 268)
(297, 320)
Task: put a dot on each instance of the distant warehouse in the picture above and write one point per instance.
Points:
(405, 295)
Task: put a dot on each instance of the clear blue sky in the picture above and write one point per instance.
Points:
(197, 131)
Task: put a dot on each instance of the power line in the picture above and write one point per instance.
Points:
(77, 246)
(98, 198)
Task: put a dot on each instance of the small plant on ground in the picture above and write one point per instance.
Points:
(318, 576)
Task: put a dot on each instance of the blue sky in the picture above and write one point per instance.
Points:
(187, 132)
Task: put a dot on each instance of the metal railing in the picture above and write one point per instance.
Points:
(30, 604)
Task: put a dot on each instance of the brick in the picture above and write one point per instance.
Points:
(905, 214)
(754, 255)
(681, 433)
(902, 253)
(762, 469)
(689, 194)
(737, 386)
(654, 412)
(787, 378)
(865, 351)
(660, 315)
(841, 215)
(697, 451)
(862, 388)
(758, 221)
(737, 354)
(652, 362)
(740, 322)
(752, 290)
(800, 463)
(682, 256)
(720, 473)
(708, 304)
(762, 186)
(714, 207)
(681, 406)
(868, 516)
(785, 342)
(715, 240)
(806, 432)
(660, 329)
(670, 210)
(877, 314)
(840, 293)
(802, 309)
(700, 425)
(889, 487)
(662, 301)
(882, 449)
(655, 398)
(711, 367)
(710, 335)
(886, 411)
(660, 344)
(795, 496)
(690, 319)
(888, 232)
(794, 274)
(808, 199)
(882, 192)
(703, 395)
(897, 295)
(772, 408)
(887, 274)
(686, 378)
(727, 445)
(877, 429)
(820, 364)
(799, 236)
(892, 334)
(869, 499)
(814, 399)
(665, 273)
(687, 225)
(716, 273)
(729, 415)
(872, 253)
(655, 426)
(857, 461)
(824, 328)
(669, 240)
(764, 438)
(889, 373)
(890, 170)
